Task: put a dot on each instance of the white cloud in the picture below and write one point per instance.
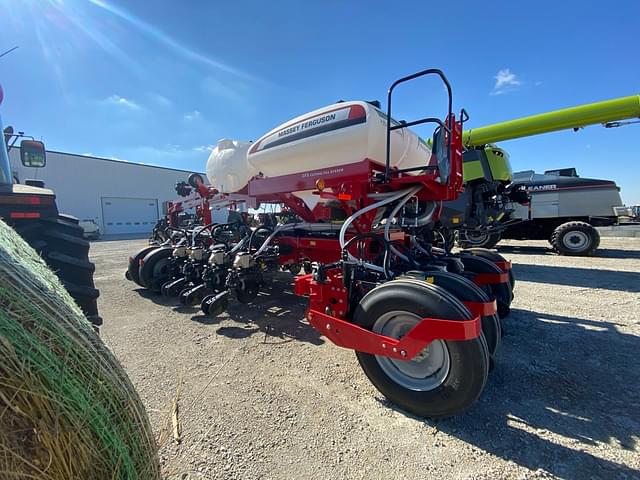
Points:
(203, 148)
(119, 101)
(160, 100)
(169, 155)
(191, 116)
(506, 81)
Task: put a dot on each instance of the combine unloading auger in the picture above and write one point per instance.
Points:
(607, 113)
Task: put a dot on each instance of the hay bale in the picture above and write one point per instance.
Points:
(67, 408)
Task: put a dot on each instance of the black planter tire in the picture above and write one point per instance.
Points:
(445, 392)
(575, 239)
(154, 270)
(133, 270)
(500, 291)
(60, 242)
(492, 257)
(467, 291)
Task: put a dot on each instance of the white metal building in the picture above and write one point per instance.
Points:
(121, 197)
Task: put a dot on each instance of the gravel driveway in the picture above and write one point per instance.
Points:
(263, 395)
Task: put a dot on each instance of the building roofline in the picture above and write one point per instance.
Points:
(124, 162)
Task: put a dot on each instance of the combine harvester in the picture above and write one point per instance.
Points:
(561, 208)
(368, 196)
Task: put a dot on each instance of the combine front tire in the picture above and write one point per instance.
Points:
(469, 239)
(575, 238)
(447, 376)
(60, 242)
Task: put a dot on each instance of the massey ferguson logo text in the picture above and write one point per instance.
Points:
(308, 124)
(541, 188)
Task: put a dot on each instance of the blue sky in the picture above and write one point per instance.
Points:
(159, 82)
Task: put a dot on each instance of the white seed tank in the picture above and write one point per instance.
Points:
(227, 167)
(338, 134)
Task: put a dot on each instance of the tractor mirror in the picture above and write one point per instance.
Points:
(32, 153)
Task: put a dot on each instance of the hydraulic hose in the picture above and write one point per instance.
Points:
(392, 215)
(196, 235)
(286, 226)
(253, 232)
(357, 214)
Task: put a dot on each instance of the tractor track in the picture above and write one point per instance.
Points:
(282, 403)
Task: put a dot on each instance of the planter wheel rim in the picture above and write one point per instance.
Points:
(427, 370)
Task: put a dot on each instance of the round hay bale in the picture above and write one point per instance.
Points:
(67, 408)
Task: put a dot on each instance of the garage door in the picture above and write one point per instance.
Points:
(129, 215)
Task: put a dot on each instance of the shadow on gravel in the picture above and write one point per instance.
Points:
(578, 277)
(571, 377)
(156, 297)
(276, 314)
(617, 253)
(537, 250)
(525, 249)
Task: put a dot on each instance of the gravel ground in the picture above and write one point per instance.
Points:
(263, 395)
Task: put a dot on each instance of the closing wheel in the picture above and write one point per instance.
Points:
(442, 380)
(575, 238)
(192, 296)
(133, 270)
(247, 289)
(155, 268)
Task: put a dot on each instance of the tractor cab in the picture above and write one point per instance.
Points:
(31, 200)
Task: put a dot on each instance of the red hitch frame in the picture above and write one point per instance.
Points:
(332, 296)
(345, 334)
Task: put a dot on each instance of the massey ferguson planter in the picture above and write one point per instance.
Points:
(364, 195)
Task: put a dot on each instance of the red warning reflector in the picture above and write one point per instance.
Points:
(357, 111)
(24, 215)
(344, 196)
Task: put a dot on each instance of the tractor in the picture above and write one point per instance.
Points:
(31, 210)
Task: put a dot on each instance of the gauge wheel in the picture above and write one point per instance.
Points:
(446, 377)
